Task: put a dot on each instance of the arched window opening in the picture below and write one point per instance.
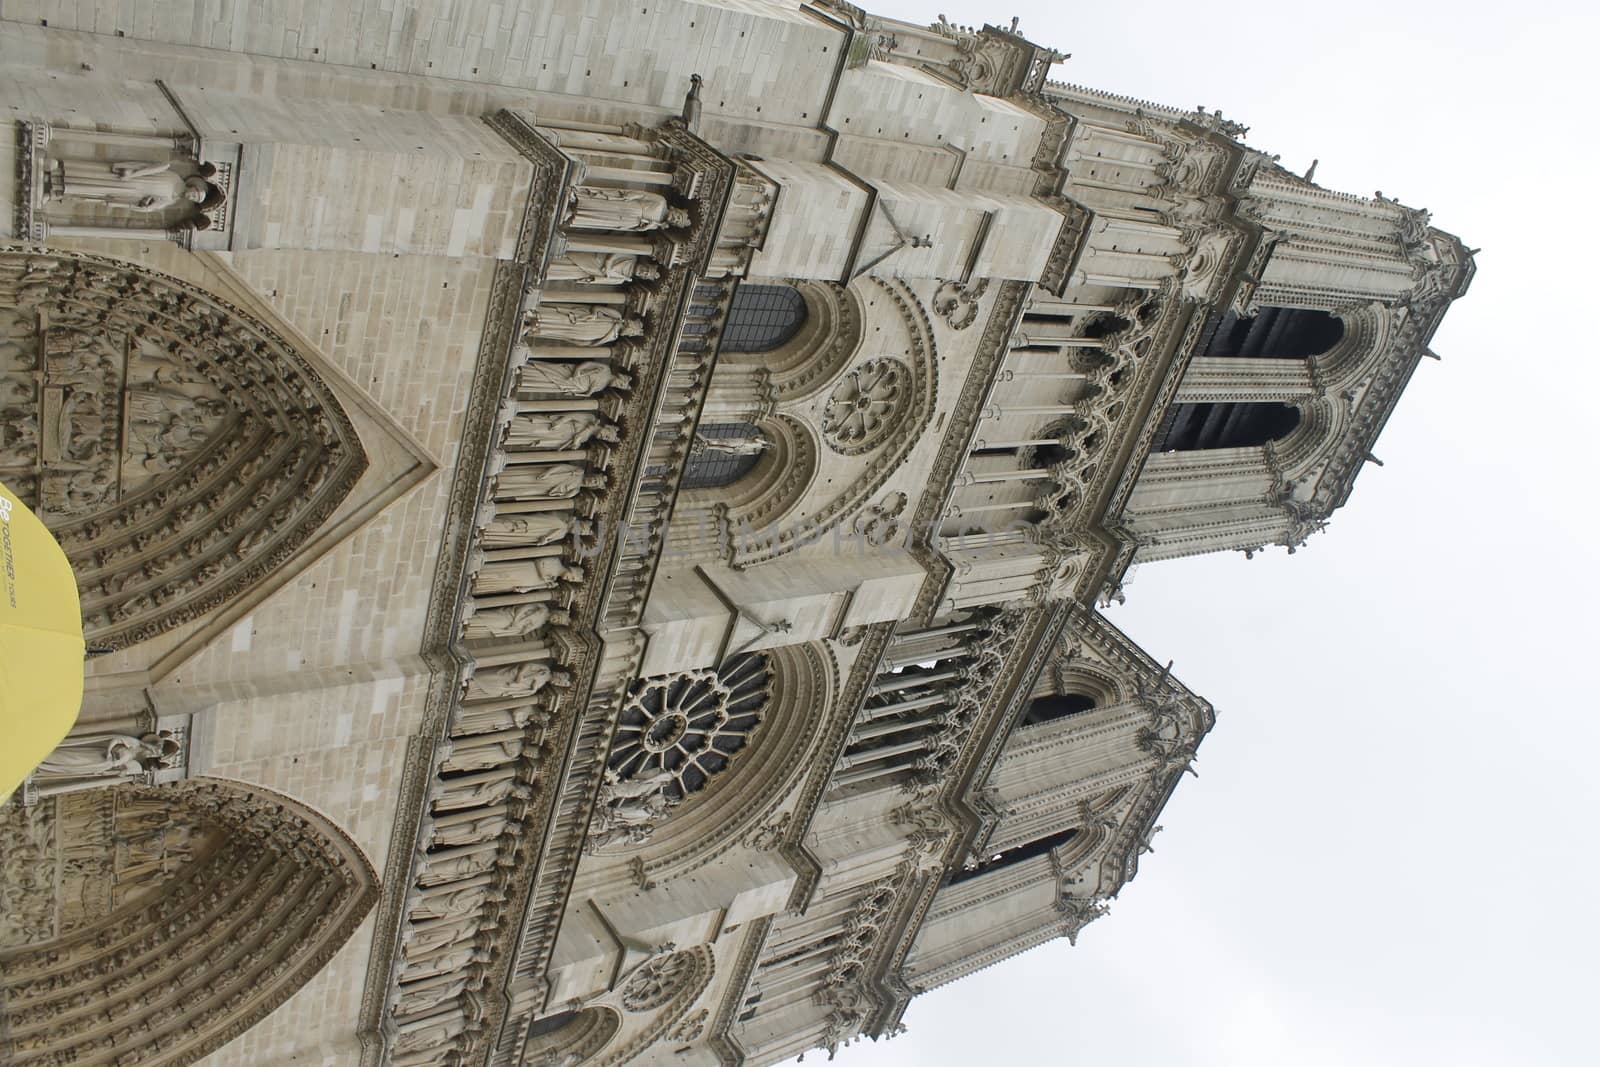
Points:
(1049, 455)
(1272, 333)
(763, 317)
(1053, 707)
(570, 1036)
(1103, 325)
(1010, 857)
(550, 1024)
(1200, 427)
(722, 453)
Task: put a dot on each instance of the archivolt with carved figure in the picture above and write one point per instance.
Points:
(151, 925)
(179, 448)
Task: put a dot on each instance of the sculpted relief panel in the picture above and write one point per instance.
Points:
(150, 925)
(179, 448)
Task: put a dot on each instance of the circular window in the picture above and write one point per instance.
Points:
(683, 728)
(864, 408)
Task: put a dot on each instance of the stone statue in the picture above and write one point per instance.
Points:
(513, 620)
(691, 104)
(583, 324)
(629, 809)
(438, 1030)
(484, 828)
(416, 1000)
(523, 575)
(515, 680)
(535, 528)
(619, 787)
(453, 904)
(437, 869)
(108, 756)
(435, 937)
(483, 757)
(162, 369)
(558, 431)
(567, 379)
(471, 720)
(442, 964)
(596, 208)
(730, 446)
(139, 185)
(477, 790)
(600, 268)
(151, 438)
(546, 481)
(156, 405)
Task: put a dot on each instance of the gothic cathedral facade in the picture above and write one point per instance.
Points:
(590, 514)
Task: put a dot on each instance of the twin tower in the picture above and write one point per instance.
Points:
(590, 514)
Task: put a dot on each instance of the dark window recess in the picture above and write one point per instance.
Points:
(550, 1024)
(711, 469)
(1051, 708)
(1272, 333)
(763, 317)
(1012, 856)
(1200, 427)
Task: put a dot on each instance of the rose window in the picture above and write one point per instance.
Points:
(863, 409)
(687, 726)
(658, 980)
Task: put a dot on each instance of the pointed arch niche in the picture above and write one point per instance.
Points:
(180, 447)
(153, 924)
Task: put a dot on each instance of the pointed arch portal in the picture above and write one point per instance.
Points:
(180, 448)
(150, 925)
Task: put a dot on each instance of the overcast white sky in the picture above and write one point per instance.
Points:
(1389, 855)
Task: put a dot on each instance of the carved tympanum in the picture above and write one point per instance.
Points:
(179, 448)
(149, 925)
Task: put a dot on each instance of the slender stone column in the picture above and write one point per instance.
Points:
(603, 353)
(913, 704)
(591, 140)
(878, 755)
(1032, 474)
(626, 175)
(906, 681)
(524, 653)
(887, 728)
(590, 241)
(586, 403)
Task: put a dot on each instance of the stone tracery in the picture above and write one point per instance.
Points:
(685, 727)
(867, 406)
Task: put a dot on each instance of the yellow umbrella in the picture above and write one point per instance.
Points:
(41, 643)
